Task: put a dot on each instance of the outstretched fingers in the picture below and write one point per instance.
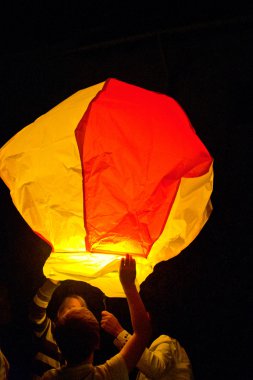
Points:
(127, 270)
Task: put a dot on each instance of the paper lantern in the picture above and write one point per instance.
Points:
(113, 169)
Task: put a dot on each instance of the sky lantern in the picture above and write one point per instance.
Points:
(113, 169)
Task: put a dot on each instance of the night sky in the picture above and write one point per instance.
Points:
(203, 59)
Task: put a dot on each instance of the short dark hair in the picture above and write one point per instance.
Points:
(77, 334)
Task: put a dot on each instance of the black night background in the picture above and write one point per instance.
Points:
(202, 57)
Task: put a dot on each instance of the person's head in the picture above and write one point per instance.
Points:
(77, 333)
(69, 302)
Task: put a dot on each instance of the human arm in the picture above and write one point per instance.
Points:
(154, 362)
(38, 307)
(164, 355)
(135, 346)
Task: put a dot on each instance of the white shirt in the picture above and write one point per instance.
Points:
(165, 359)
(113, 369)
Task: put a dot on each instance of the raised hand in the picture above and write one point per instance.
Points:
(127, 271)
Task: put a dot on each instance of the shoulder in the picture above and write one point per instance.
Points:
(167, 345)
(51, 374)
(177, 350)
(164, 339)
(115, 368)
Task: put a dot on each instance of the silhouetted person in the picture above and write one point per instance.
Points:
(48, 354)
(77, 333)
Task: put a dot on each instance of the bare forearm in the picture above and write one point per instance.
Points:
(140, 322)
(133, 349)
(135, 346)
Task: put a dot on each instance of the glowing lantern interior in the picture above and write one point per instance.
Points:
(143, 183)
